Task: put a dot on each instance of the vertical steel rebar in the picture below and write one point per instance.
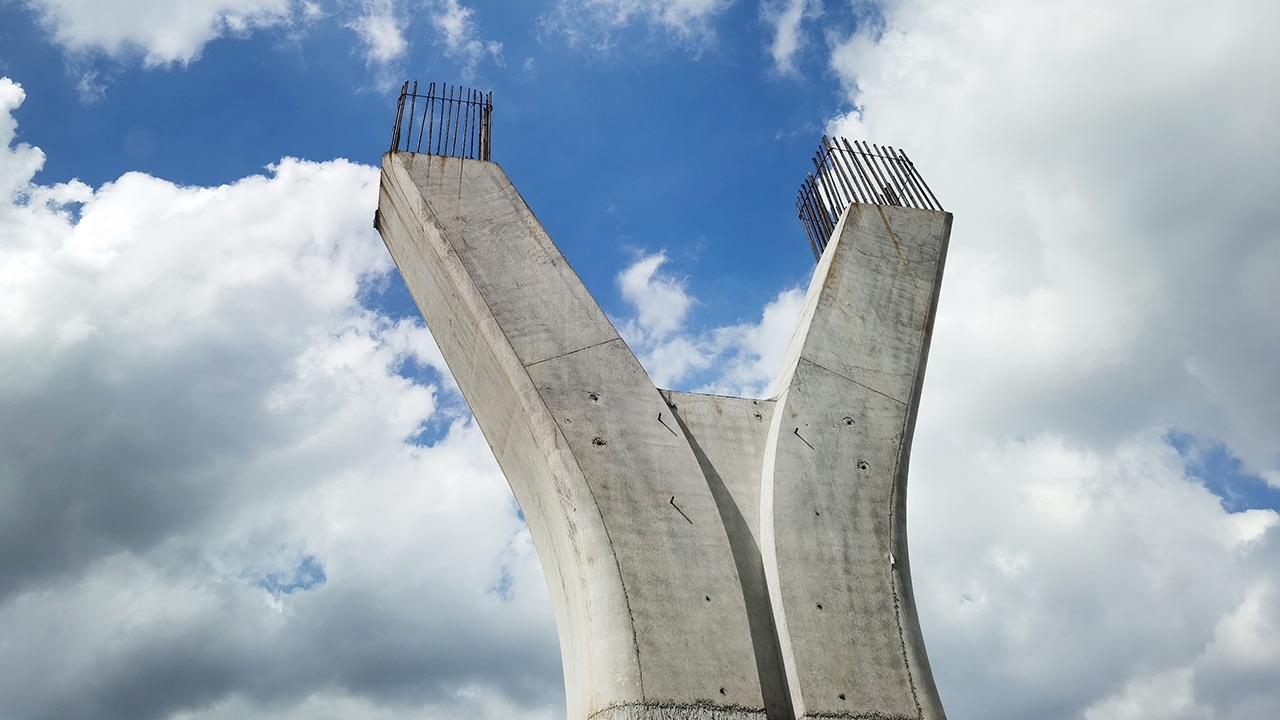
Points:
(454, 123)
(875, 172)
(846, 188)
(891, 171)
(936, 205)
(466, 122)
(456, 113)
(395, 132)
(426, 113)
(827, 201)
(856, 161)
(847, 172)
(921, 200)
(413, 102)
(429, 119)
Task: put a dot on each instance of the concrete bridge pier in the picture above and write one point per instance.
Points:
(709, 558)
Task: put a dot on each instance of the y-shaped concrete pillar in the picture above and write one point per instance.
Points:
(710, 558)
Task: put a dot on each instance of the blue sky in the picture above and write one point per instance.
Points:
(236, 480)
(685, 124)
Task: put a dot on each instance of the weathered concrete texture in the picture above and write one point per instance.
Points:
(648, 601)
(833, 511)
(708, 557)
(726, 434)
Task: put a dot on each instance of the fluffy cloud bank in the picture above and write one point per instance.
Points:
(165, 32)
(223, 498)
(741, 359)
(233, 490)
(1109, 312)
(214, 504)
(1114, 189)
(175, 33)
(594, 22)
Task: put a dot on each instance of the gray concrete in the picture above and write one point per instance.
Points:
(833, 507)
(688, 539)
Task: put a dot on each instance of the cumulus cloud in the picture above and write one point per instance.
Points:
(1056, 580)
(784, 17)
(215, 506)
(1114, 199)
(592, 21)
(164, 32)
(460, 35)
(1103, 320)
(741, 359)
(381, 28)
(222, 495)
(660, 301)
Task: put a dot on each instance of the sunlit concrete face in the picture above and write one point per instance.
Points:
(708, 557)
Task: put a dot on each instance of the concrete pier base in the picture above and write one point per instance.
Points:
(709, 558)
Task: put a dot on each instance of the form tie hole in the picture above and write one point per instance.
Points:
(819, 606)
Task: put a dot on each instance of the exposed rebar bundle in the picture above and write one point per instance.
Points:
(846, 172)
(450, 120)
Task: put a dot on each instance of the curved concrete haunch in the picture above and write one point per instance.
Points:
(708, 557)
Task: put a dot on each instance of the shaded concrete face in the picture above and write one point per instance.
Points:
(689, 540)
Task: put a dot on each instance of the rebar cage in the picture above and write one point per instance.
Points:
(452, 121)
(846, 172)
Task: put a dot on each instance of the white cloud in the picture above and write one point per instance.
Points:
(785, 16)
(661, 305)
(661, 302)
(740, 359)
(212, 503)
(1115, 218)
(164, 32)
(1167, 695)
(381, 28)
(194, 400)
(592, 21)
(1113, 191)
(1049, 573)
(460, 35)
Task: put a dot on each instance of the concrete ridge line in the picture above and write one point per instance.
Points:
(585, 347)
(855, 382)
